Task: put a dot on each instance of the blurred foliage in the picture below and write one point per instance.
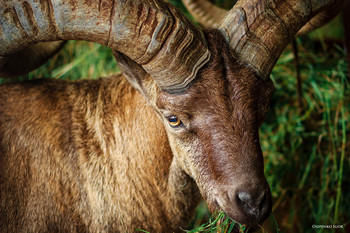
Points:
(306, 154)
(78, 60)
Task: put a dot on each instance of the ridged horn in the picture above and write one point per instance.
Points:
(28, 59)
(259, 30)
(204, 12)
(321, 18)
(152, 33)
(211, 16)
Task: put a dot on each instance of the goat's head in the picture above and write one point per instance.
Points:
(210, 89)
(213, 130)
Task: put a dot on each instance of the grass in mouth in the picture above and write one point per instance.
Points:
(219, 222)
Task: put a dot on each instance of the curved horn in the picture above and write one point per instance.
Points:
(205, 12)
(151, 32)
(28, 58)
(211, 16)
(321, 18)
(259, 30)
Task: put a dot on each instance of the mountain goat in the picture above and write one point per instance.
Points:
(138, 149)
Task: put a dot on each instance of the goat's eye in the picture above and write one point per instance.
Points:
(174, 121)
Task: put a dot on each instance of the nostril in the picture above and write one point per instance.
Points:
(244, 197)
(251, 203)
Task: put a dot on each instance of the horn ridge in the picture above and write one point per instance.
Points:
(267, 29)
(185, 44)
(205, 12)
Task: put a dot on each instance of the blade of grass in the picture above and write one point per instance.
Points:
(308, 167)
(60, 71)
(340, 174)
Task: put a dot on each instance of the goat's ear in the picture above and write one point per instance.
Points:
(133, 72)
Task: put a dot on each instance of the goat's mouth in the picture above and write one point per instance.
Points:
(243, 211)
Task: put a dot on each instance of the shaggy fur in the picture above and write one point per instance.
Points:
(100, 156)
(87, 156)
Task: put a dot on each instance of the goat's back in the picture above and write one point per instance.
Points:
(35, 147)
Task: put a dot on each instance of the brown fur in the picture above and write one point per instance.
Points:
(93, 156)
(222, 113)
(73, 159)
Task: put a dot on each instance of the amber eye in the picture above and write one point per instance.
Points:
(174, 121)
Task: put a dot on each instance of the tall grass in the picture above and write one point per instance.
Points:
(306, 155)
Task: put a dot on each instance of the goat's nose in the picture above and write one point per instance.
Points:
(248, 204)
(251, 203)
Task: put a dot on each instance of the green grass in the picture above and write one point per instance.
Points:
(306, 155)
(219, 222)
